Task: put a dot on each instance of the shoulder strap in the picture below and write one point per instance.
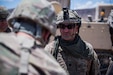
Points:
(56, 45)
(25, 52)
(24, 61)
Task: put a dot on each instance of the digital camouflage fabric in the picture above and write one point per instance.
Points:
(40, 61)
(76, 58)
(110, 69)
(20, 52)
(39, 11)
(75, 55)
(73, 17)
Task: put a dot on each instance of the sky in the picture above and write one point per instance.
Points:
(75, 4)
(82, 4)
(9, 3)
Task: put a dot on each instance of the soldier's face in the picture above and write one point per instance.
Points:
(68, 31)
(3, 25)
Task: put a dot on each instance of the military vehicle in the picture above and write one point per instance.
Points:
(97, 33)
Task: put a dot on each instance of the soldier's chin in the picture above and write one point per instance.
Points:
(67, 38)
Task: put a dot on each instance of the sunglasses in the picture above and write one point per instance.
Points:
(69, 26)
(2, 19)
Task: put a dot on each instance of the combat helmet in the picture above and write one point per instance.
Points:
(41, 12)
(68, 16)
(3, 13)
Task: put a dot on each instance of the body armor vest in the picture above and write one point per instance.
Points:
(73, 65)
(77, 64)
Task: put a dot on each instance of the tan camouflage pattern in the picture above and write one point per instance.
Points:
(76, 65)
(40, 61)
(40, 11)
(110, 69)
(74, 17)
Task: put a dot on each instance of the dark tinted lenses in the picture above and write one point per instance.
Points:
(2, 19)
(69, 26)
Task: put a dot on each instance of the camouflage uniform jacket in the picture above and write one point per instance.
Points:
(75, 65)
(110, 19)
(110, 69)
(40, 62)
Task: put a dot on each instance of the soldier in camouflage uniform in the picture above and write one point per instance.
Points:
(76, 56)
(22, 52)
(110, 22)
(3, 23)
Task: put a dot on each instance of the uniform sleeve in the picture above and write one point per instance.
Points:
(95, 65)
(110, 69)
(50, 47)
(44, 63)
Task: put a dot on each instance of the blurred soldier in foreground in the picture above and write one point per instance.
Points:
(3, 23)
(76, 56)
(22, 52)
(110, 22)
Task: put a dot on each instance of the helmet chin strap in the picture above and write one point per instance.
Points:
(38, 32)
